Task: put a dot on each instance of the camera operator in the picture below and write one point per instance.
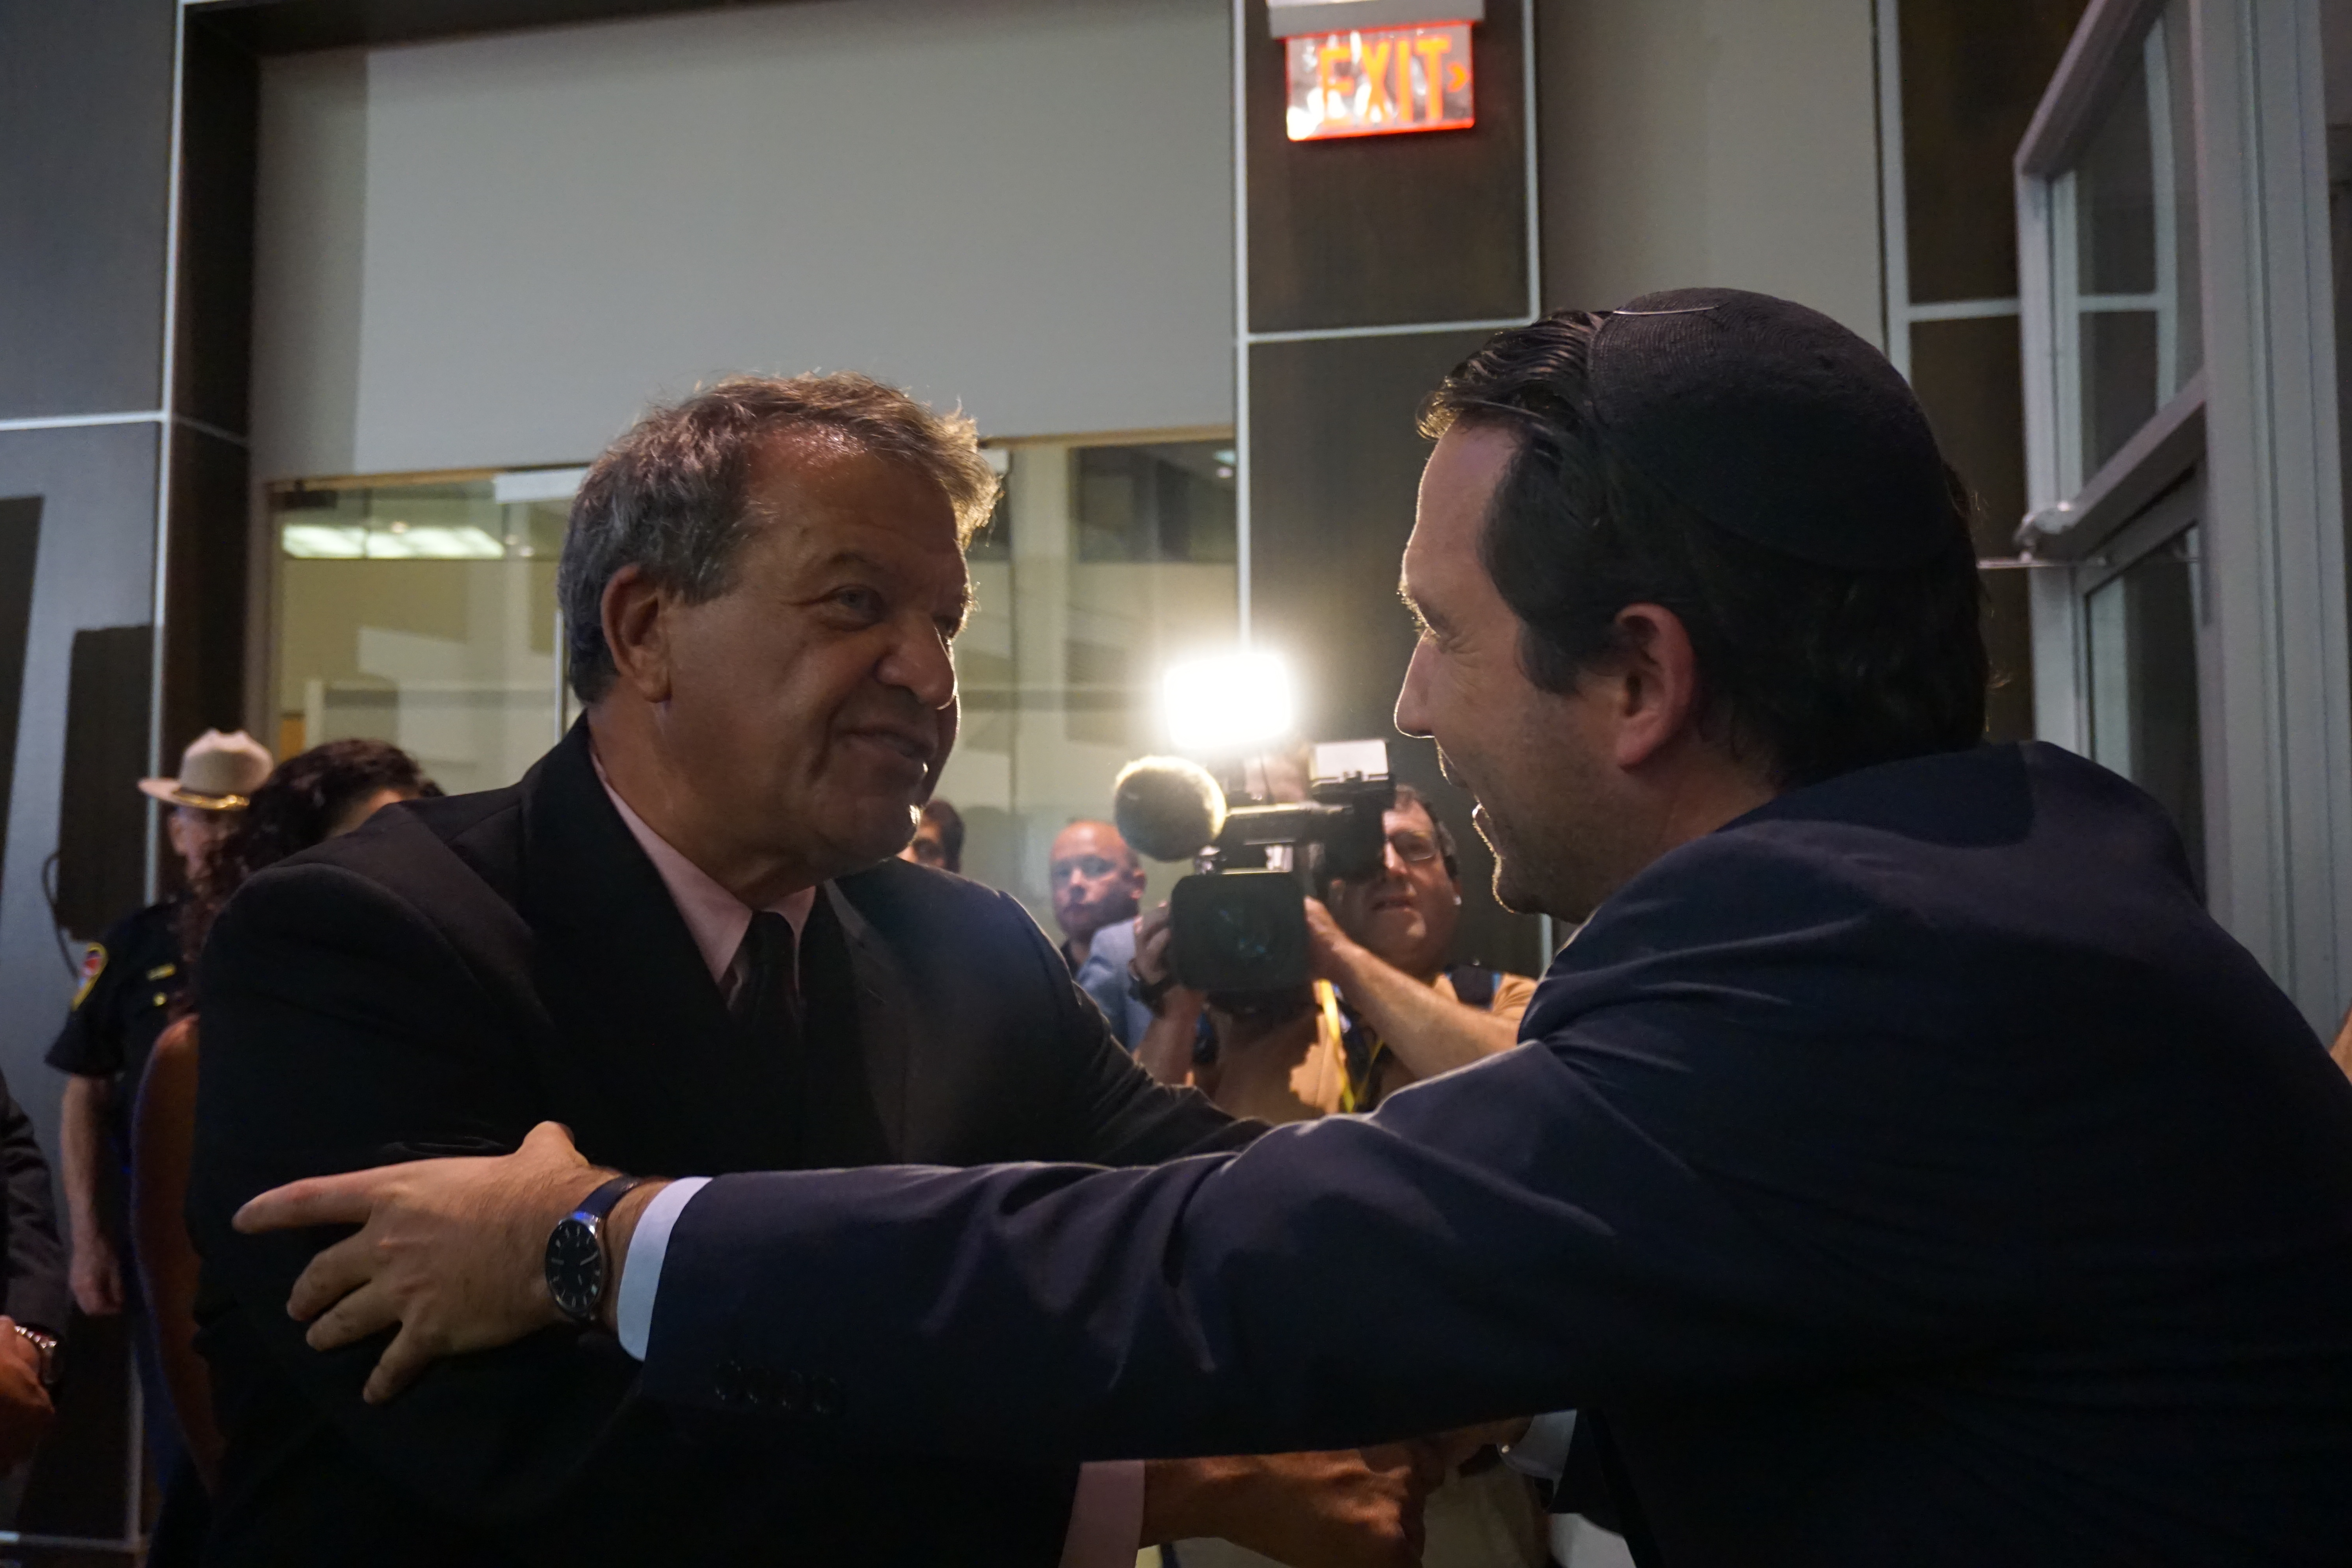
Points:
(1401, 1012)
(1383, 942)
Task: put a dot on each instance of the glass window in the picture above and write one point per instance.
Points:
(1171, 503)
(2127, 272)
(2142, 627)
(1103, 564)
(423, 612)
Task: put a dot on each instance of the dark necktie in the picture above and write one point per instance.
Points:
(768, 1003)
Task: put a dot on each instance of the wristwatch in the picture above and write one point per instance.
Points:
(1150, 993)
(577, 1267)
(47, 1344)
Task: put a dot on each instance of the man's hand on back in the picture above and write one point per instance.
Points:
(1342, 1509)
(450, 1251)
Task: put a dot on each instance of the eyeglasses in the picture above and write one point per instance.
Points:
(1413, 848)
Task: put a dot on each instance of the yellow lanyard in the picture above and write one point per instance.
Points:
(1352, 1096)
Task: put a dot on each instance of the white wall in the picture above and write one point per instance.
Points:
(494, 251)
(1711, 143)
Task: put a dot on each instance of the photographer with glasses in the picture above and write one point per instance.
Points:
(1405, 1010)
(1392, 1008)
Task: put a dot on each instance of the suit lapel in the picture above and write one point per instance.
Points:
(868, 1004)
(649, 1062)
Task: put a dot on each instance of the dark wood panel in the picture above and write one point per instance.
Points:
(1390, 230)
(20, 544)
(101, 817)
(1973, 71)
(204, 588)
(220, 121)
(1335, 464)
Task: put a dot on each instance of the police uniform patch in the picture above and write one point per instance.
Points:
(93, 964)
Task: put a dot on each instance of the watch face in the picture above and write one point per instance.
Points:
(575, 1269)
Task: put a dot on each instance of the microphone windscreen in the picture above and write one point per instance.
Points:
(1167, 808)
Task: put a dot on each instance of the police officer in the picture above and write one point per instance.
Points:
(128, 983)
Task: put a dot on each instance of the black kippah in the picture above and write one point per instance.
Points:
(1774, 423)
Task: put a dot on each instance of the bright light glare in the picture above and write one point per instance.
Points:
(1227, 703)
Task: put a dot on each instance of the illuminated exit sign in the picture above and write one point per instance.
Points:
(1378, 81)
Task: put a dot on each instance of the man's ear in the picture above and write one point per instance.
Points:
(636, 630)
(1657, 680)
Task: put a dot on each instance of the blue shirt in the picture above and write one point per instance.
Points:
(1104, 976)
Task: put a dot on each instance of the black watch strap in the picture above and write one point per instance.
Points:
(1150, 993)
(579, 1259)
(599, 1203)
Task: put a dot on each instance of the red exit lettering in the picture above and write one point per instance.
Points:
(1380, 82)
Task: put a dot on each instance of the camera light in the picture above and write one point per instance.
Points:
(1228, 703)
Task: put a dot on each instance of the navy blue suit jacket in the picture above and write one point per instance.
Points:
(1909, 1171)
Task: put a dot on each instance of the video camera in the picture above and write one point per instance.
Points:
(1239, 923)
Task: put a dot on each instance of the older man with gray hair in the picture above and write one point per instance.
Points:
(683, 934)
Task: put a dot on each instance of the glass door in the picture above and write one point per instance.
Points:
(420, 609)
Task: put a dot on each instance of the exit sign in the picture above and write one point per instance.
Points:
(1378, 81)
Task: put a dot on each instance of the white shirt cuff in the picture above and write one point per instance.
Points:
(1106, 1516)
(1540, 1455)
(641, 1275)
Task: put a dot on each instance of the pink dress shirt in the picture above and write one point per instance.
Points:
(1106, 1513)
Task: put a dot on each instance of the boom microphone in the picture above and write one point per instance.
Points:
(1167, 808)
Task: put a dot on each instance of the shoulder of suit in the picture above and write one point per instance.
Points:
(426, 853)
(896, 892)
(905, 879)
(1788, 888)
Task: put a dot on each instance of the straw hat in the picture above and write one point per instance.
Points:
(217, 772)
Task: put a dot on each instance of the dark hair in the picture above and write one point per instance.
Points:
(667, 496)
(950, 822)
(1812, 670)
(294, 808)
(1411, 799)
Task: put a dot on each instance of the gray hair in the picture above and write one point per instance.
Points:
(667, 496)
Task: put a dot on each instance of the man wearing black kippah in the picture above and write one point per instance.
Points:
(1900, 1166)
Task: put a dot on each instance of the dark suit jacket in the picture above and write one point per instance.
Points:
(1908, 1173)
(461, 969)
(33, 1290)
